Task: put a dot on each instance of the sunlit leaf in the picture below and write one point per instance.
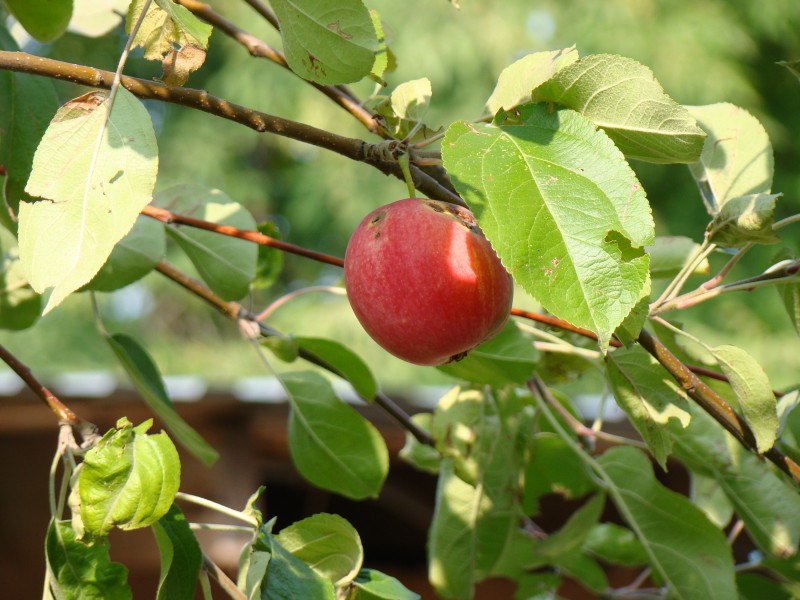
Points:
(81, 571)
(328, 544)
(421, 456)
(648, 396)
(685, 549)
(737, 154)
(517, 81)
(615, 544)
(129, 479)
(745, 220)
(45, 20)
(754, 392)
(96, 172)
(172, 34)
(328, 43)
(333, 446)
(374, 585)
(623, 97)
(95, 18)
(562, 208)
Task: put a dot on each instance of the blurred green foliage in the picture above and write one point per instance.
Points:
(701, 52)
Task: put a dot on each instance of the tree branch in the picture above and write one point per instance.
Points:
(235, 311)
(66, 416)
(375, 155)
(166, 216)
(715, 406)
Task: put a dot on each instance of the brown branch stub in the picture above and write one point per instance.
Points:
(256, 237)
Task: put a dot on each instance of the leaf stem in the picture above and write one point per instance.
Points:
(225, 582)
(220, 527)
(674, 287)
(205, 502)
(329, 289)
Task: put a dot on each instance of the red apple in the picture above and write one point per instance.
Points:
(424, 282)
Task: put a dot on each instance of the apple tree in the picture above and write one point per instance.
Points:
(544, 174)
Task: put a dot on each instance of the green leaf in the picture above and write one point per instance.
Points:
(623, 97)
(327, 43)
(708, 496)
(129, 479)
(289, 577)
(769, 507)
(792, 65)
(737, 154)
(374, 585)
(82, 571)
(27, 103)
(754, 392)
(19, 304)
(45, 20)
(328, 544)
(172, 34)
(686, 550)
(476, 530)
(344, 361)
(452, 551)
(180, 554)
(421, 456)
(95, 19)
(562, 208)
(509, 357)
(146, 378)
(615, 544)
(745, 220)
(553, 468)
(285, 348)
(517, 80)
(133, 257)
(270, 260)
(670, 253)
(332, 445)
(648, 396)
(404, 110)
(571, 537)
(227, 264)
(99, 172)
(753, 586)
(790, 294)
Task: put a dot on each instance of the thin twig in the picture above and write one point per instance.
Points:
(87, 430)
(225, 582)
(169, 217)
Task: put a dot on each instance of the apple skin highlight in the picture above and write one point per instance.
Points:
(424, 282)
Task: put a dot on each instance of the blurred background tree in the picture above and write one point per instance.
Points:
(701, 53)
